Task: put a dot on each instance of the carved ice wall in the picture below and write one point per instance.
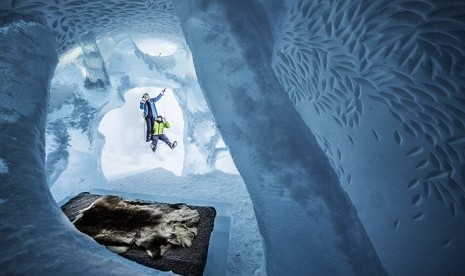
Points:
(381, 84)
(72, 19)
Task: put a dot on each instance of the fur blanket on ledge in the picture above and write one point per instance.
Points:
(122, 224)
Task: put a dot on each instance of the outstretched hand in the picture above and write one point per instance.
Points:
(163, 91)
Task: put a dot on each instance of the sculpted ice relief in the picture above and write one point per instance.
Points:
(380, 86)
(378, 83)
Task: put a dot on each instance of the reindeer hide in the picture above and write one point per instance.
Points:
(121, 224)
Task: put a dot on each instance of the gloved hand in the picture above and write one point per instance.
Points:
(142, 102)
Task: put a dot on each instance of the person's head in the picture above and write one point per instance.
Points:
(159, 118)
(145, 97)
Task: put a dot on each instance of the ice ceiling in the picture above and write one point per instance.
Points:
(345, 118)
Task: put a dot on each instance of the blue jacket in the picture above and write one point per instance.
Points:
(152, 105)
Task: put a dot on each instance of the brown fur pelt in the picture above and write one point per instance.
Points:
(122, 224)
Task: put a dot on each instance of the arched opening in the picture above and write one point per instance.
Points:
(96, 142)
(155, 47)
(126, 151)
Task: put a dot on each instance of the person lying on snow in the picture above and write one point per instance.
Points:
(150, 111)
(157, 134)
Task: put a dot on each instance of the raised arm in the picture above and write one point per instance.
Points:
(167, 124)
(162, 93)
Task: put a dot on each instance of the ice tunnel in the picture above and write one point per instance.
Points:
(344, 118)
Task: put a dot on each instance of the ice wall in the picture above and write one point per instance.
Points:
(308, 224)
(96, 72)
(381, 85)
(72, 19)
(36, 237)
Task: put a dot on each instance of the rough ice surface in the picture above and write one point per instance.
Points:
(80, 119)
(346, 114)
(96, 72)
(3, 166)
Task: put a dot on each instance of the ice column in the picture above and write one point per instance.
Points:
(36, 237)
(307, 221)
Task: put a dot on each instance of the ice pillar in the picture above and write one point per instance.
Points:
(308, 223)
(36, 236)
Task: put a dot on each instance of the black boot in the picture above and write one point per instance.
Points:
(173, 145)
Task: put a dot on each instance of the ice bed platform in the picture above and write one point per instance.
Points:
(189, 261)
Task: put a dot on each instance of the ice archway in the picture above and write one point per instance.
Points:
(377, 82)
